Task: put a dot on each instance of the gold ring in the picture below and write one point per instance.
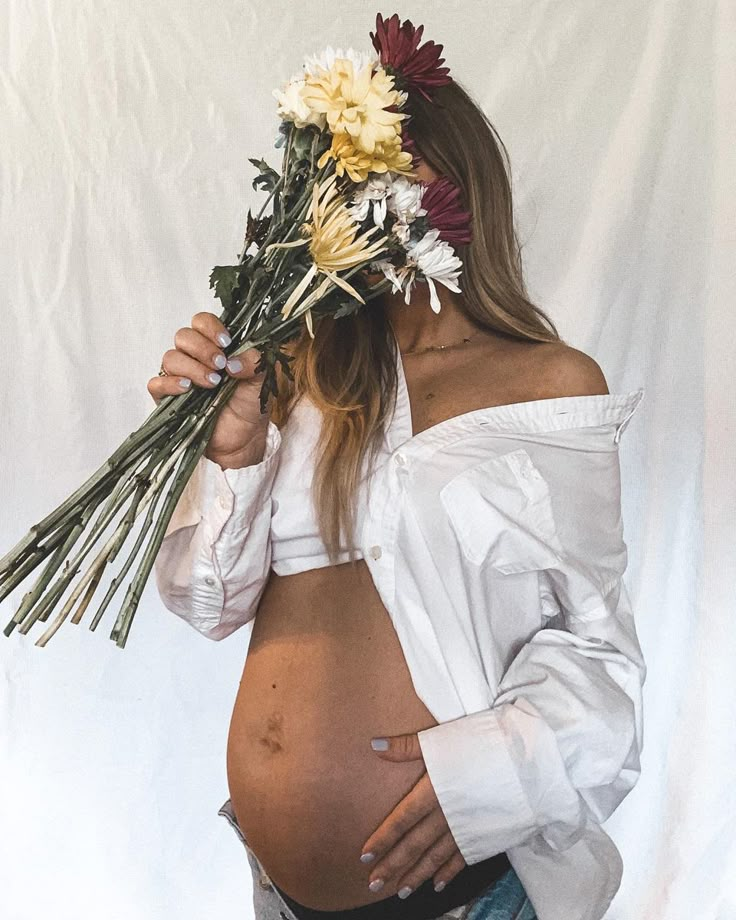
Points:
(162, 372)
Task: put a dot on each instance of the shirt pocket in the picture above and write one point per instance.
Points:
(501, 513)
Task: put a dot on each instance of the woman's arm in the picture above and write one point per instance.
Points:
(215, 558)
(560, 746)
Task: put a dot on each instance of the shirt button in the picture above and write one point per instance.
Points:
(274, 505)
(400, 459)
(375, 552)
(210, 580)
(221, 501)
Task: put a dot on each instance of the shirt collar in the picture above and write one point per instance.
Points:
(536, 415)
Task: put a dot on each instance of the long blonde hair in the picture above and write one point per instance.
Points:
(348, 370)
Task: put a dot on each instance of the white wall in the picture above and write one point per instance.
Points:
(124, 179)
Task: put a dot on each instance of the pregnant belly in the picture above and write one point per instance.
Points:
(324, 674)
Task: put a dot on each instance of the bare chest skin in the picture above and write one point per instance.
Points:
(324, 674)
(442, 385)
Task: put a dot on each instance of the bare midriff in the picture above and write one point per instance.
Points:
(324, 674)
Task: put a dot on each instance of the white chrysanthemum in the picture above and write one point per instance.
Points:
(402, 98)
(402, 232)
(434, 258)
(375, 189)
(325, 60)
(291, 106)
(437, 261)
(406, 199)
(397, 276)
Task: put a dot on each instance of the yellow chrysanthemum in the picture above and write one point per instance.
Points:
(355, 103)
(358, 164)
(333, 246)
(396, 159)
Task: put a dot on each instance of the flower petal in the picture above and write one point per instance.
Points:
(298, 291)
(285, 245)
(341, 282)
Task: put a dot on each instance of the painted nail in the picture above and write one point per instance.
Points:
(220, 361)
(367, 857)
(379, 744)
(224, 339)
(439, 886)
(405, 891)
(234, 365)
(214, 378)
(376, 884)
(185, 382)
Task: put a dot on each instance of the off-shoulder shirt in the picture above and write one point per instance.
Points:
(495, 541)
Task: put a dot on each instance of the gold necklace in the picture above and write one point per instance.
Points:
(439, 347)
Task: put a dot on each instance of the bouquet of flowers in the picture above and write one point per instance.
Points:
(344, 201)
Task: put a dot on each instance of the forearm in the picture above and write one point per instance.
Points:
(215, 558)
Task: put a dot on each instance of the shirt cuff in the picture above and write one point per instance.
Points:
(225, 500)
(500, 780)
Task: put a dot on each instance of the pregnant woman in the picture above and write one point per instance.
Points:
(423, 533)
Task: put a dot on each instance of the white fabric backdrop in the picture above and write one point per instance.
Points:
(124, 180)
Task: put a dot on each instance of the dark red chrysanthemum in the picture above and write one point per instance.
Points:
(398, 48)
(444, 212)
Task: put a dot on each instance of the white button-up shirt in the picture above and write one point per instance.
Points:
(495, 541)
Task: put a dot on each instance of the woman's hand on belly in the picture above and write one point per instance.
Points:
(414, 843)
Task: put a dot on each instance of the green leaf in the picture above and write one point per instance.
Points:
(225, 279)
(347, 308)
(256, 230)
(270, 354)
(268, 177)
(302, 143)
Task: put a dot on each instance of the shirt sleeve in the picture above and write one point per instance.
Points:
(215, 558)
(560, 746)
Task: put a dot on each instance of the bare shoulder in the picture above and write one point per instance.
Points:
(567, 371)
(544, 370)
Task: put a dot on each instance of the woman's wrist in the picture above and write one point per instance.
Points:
(248, 456)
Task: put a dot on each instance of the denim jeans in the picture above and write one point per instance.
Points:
(504, 899)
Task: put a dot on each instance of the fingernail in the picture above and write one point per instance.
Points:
(367, 857)
(379, 744)
(224, 339)
(439, 886)
(220, 361)
(185, 382)
(234, 365)
(405, 891)
(214, 378)
(376, 884)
